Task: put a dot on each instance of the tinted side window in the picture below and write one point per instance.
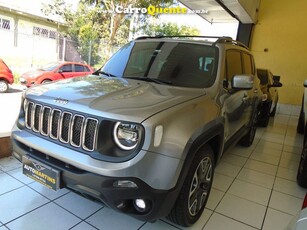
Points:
(233, 63)
(66, 68)
(79, 68)
(248, 65)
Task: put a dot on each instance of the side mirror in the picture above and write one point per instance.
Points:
(241, 82)
(276, 78)
(60, 71)
(305, 83)
(276, 84)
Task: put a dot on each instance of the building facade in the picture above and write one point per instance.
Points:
(28, 40)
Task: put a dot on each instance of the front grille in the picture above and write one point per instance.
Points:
(54, 123)
(78, 122)
(66, 124)
(73, 129)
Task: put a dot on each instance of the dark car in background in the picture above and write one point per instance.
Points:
(299, 221)
(268, 84)
(6, 77)
(302, 118)
(301, 128)
(55, 71)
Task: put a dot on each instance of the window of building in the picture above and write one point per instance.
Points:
(5, 24)
(52, 34)
(36, 30)
(43, 32)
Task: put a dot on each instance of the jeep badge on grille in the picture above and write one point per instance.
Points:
(61, 101)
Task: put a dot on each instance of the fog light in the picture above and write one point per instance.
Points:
(140, 205)
(125, 184)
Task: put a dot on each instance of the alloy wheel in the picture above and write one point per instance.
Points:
(200, 186)
(3, 86)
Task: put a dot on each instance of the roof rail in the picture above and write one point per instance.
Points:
(229, 40)
(175, 36)
(219, 39)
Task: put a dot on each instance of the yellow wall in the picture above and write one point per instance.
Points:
(282, 29)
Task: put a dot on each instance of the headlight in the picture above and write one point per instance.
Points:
(126, 135)
(24, 100)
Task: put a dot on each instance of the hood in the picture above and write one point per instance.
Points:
(115, 98)
(32, 74)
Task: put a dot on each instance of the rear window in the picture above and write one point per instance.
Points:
(86, 69)
(79, 68)
(3, 65)
(184, 64)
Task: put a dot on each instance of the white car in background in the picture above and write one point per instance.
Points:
(299, 222)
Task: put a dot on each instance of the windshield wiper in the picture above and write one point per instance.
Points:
(104, 73)
(155, 80)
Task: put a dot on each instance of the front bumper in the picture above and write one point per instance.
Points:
(102, 186)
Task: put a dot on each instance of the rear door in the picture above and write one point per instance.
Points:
(81, 70)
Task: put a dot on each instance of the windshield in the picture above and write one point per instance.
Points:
(50, 67)
(183, 64)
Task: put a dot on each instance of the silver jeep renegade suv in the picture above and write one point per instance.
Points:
(143, 134)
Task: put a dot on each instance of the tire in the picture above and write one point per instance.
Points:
(302, 168)
(248, 139)
(3, 86)
(301, 120)
(272, 114)
(46, 81)
(195, 190)
(264, 121)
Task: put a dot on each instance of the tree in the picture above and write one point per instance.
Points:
(83, 28)
(99, 20)
(116, 19)
(170, 29)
